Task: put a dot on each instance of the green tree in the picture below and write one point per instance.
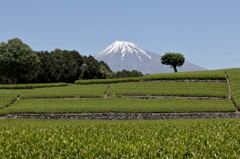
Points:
(44, 74)
(18, 62)
(65, 65)
(105, 70)
(126, 73)
(173, 59)
(91, 68)
(69, 66)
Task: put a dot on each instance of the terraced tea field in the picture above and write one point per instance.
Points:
(208, 92)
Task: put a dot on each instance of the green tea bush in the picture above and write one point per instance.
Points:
(198, 75)
(120, 139)
(107, 81)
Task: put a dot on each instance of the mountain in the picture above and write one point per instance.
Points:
(126, 55)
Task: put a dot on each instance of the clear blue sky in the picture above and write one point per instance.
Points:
(207, 32)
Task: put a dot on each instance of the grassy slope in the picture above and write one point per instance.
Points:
(30, 86)
(9, 93)
(120, 139)
(5, 102)
(7, 97)
(118, 105)
(66, 91)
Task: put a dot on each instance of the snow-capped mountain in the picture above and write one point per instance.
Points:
(126, 55)
(125, 48)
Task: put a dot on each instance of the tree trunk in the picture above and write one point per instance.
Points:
(175, 69)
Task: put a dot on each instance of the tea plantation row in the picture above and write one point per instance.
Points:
(94, 105)
(201, 75)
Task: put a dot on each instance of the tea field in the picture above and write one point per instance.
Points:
(104, 95)
(218, 138)
(205, 91)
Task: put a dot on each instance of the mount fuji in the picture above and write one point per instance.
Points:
(126, 55)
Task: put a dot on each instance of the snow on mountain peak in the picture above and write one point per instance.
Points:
(124, 48)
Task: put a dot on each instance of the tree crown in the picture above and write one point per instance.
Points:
(173, 59)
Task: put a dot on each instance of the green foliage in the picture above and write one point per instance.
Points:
(105, 70)
(126, 73)
(30, 86)
(196, 89)
(18, 62)
(84, 105)
(44, 73)
(234, 76)
(173, 59)
(69, 66)
(107, 81)
(120, 139)
(59, 66)
(90, 69)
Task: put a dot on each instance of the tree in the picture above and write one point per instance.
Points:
(18, 62)
(105, 70)
(91, 68)
(69, 66)
(65, 65)
(173, 59)
(44, 74)
(125, 73)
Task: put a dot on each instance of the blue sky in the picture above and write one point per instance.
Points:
(207, 32)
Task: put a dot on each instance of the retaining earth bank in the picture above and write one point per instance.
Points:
(127, 116)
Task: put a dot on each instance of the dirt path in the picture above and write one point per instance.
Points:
(230, 91)
(126, 116)
(229, 88)
(171, 97)
(186, 80)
